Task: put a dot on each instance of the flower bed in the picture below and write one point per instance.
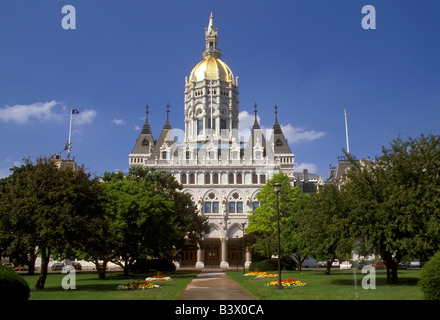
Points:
(288, 283)
(137, 285)
(261, 275)
(159, 278)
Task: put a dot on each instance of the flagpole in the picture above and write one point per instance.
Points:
(70, 133)
(346, 130)
(211, 108)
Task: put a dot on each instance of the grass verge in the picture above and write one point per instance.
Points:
(89, 287)
(339, 285)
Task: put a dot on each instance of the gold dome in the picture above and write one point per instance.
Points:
(211, 69)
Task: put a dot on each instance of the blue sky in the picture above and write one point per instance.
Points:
(311, 58)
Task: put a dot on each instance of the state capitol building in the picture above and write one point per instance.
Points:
(219, 169)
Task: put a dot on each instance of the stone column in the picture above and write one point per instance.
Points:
(200, 257)
(248, 259)
(224, 263)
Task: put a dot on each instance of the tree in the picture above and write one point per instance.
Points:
(149, 215)
(263, 221)
(323, 224)
(49, 210)
(395, 201)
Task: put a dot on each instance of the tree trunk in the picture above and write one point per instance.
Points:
(45, 256)
(329, 264)
(31, 270)
(391, 263)
(101, 271)
(126, 268)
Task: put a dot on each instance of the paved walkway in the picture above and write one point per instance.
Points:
(214, 285)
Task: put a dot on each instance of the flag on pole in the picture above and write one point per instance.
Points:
(75, 111)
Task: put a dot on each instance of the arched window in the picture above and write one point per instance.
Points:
(215, 178)
(231, 178)
(207, 178)
(183, 178)
(239, 178)
(192, 178)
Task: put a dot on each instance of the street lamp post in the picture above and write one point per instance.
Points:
(244, 249)
(277, 189)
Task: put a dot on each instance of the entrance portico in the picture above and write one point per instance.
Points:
(216, 253)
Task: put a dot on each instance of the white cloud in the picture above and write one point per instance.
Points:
(118, 122)
(311, 167)
(292, 134)
(7, 164)
(43, 112)
(299, 134)
(137, 128)
(84, 117)
(21, 114)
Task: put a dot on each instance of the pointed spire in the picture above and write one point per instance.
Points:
(211, 38)
(276, 127)
(167, 123)
(211, 22)
(276, 114)
(146, 129)
(256, 125)
(279, 140)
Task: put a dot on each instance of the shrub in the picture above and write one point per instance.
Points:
(430, 278)
(12, 285)
(143, 265)
(272, 264)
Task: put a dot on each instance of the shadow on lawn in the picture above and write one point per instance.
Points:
(379, 281)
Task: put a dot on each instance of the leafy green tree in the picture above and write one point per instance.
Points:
(263, 221)
(149, 215)
(48, 210)
(323, 223)
(395, 201)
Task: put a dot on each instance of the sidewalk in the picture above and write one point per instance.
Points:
(214, 285)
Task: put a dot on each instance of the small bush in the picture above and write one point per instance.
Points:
(430, 278)
(272, 264)
(12, 285)
(142, 266)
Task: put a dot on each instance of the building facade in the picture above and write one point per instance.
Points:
(222, 171)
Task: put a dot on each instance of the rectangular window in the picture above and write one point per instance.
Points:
(215, 207)
(208, 123)
(255, 205)
(231, 207)
(207, 207)
(239, 207)
(199, 126)
(164, 154)
(223, 124)
(187, 155)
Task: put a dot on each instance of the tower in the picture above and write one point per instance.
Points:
(211, 95)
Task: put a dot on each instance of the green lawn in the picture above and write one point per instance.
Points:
(89, 287)
(339, 285)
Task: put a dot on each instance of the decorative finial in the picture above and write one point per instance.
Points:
(168, 110)
(255, 111)
(147, 110)
(276, 113)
